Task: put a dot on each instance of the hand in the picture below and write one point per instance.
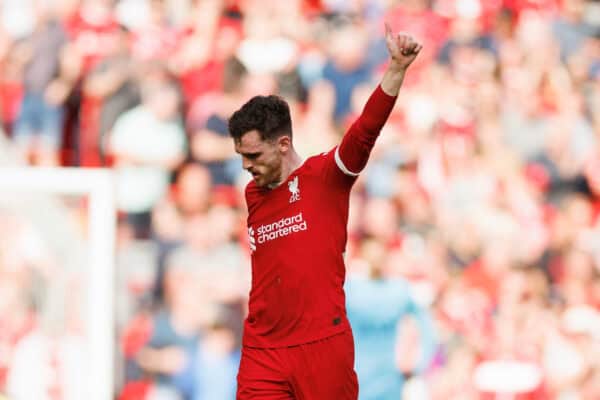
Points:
(172, 359)
(168, 360)
(402, 47)
(56, 93)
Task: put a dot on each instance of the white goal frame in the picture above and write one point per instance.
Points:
(98, 185)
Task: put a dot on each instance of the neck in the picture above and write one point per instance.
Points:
(289, 165)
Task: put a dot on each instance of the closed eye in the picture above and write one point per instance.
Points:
(251, 156)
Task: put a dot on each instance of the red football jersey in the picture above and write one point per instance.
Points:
(298, 237)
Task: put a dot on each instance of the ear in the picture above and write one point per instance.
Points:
(284, 143)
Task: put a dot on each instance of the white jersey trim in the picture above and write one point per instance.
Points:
(341, 165)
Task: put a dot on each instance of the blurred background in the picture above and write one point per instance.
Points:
(474, 235)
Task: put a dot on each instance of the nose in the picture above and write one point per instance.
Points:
(246, 163)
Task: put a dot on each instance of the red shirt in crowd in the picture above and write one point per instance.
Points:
(92, 39)
(298, 238)
(430, 28)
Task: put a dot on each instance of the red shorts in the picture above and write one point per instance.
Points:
(321, 370)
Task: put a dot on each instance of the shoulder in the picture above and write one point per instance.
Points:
(126, 126)
(130, 116)
(175, 129)
(217, 124)
(250, 188)
(317, 162)
(251, 192)
(330, 169)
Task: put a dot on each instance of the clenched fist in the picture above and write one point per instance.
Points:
(403, 48)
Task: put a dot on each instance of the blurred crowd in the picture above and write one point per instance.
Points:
(474, 234)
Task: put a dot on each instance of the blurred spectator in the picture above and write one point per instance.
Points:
(347, 65)
(210, 142)
(209, 251)
(217, 361)
(570, 28)
(315, 128)
(465, 37)
(91, 26)
(113, 81)
(207, 41)
(10, 83)
(143, 171)
(171, 343)
(38, 128)
(193, 190)
(378, 307)
(153, 37)
(167, 235)
(418, 17)
(480, 209)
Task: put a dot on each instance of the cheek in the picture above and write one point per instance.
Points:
(268, 162)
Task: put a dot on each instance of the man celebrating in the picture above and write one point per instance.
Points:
(297, 341)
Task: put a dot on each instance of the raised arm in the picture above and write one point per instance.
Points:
(352, 154)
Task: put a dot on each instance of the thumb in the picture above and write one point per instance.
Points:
(388, 30)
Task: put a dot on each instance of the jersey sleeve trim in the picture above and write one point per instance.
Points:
(340, 164)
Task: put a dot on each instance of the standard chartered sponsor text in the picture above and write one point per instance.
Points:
(283, 227)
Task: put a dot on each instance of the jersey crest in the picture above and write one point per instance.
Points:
(294, 189)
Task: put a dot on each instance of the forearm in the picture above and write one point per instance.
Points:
(102, 84)
(357, 143)
(392, 79)
(353, 153)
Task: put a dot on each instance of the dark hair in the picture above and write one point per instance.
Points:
(269, 115)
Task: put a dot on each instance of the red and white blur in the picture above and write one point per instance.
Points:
(482, 194)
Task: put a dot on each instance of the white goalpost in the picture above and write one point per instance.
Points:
(98, 186)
